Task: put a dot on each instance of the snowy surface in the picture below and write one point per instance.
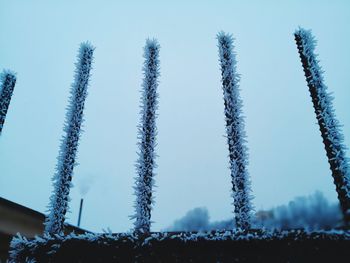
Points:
(20, 246)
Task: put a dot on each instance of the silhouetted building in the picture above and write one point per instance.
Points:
(16, 218)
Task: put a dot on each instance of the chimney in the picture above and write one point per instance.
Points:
(80, 209)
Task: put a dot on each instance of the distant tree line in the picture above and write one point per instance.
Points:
(312, 212)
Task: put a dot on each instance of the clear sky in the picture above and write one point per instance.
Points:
(40, 39)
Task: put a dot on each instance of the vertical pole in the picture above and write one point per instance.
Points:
(330, 127)
(80, 210)
(62, 180)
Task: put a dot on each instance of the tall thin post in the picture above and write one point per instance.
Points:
(80, 210)
(147, 132)
(236, 137)
(58, 206)
(330, 127)
(8, 81)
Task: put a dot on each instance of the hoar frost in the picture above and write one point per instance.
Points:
(147, 132)
(330, 127)
(238, 151)
(58, 205)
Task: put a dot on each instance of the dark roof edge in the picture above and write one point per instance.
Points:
(33, 212)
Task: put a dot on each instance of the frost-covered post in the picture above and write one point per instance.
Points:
(330, 128)
(236, 137)
(59, 199)
(147, 132)
(8, 81)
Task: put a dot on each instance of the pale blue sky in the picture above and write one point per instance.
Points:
(40, 39)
